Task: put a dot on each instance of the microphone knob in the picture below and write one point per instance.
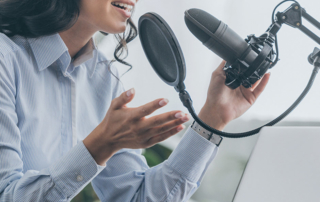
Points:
(314, 55)
(310, 59)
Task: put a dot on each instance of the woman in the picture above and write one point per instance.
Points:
(63, 115)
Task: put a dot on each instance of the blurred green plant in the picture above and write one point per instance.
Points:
(154, 156)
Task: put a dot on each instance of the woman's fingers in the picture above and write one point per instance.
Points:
(149, 108)
(264, 81)
(220, 67)
(123, 99)
(250, 95)
(163, 131)
(167, 126)
(164, 118)
(222, 64)
(163, 136)
(255, 85)
(142, 132)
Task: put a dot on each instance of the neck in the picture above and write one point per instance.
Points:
(77, 37)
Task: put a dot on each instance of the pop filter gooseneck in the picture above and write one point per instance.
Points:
(165, 56)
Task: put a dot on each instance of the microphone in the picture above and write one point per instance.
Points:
(247, 60)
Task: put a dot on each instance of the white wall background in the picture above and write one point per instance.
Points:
(288, 78)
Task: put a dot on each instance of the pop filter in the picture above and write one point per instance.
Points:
(162, 50)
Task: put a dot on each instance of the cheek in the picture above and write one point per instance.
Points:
(111, 21)
(103, 16)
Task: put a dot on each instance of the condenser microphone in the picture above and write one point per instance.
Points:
(247, 60)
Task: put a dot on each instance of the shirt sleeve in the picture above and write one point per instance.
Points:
(59, 182)
(127, 176)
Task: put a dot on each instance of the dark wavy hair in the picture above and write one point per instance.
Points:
(35, 18)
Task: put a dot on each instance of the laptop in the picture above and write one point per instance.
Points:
(284, 166)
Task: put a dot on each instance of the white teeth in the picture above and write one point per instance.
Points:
(126, 6)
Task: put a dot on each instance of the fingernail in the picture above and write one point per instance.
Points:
(130, 92)
(186, 118)
(180, 128)
(179, 115)
(163, 102)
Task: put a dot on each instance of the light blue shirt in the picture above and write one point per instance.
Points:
(49, 104)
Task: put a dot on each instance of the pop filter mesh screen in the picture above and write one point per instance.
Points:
(158, 51)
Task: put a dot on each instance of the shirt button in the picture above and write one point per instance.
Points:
(79, 178)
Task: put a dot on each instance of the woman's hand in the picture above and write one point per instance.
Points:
(224, 104)
(125, 127)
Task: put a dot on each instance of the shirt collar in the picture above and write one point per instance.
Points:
(48, 49)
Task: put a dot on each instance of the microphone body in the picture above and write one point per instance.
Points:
(240, 54)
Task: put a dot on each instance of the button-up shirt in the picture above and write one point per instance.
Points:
(49, 103)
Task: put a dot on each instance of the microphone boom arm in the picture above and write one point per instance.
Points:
(293, 17)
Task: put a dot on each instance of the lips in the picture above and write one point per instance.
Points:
(124, 7)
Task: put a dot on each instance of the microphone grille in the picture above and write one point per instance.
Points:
(203, 18)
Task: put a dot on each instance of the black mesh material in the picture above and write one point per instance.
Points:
(158, 51)
(202, 18)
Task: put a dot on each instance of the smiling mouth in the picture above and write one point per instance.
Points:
(123, 6)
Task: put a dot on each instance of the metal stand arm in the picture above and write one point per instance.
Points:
(293, 17)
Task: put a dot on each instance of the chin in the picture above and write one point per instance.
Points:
(122, 29)
(116, 30)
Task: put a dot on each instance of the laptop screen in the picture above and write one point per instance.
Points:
(283, 167)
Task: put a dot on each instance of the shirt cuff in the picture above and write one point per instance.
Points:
(74, 170)
(192, 155)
